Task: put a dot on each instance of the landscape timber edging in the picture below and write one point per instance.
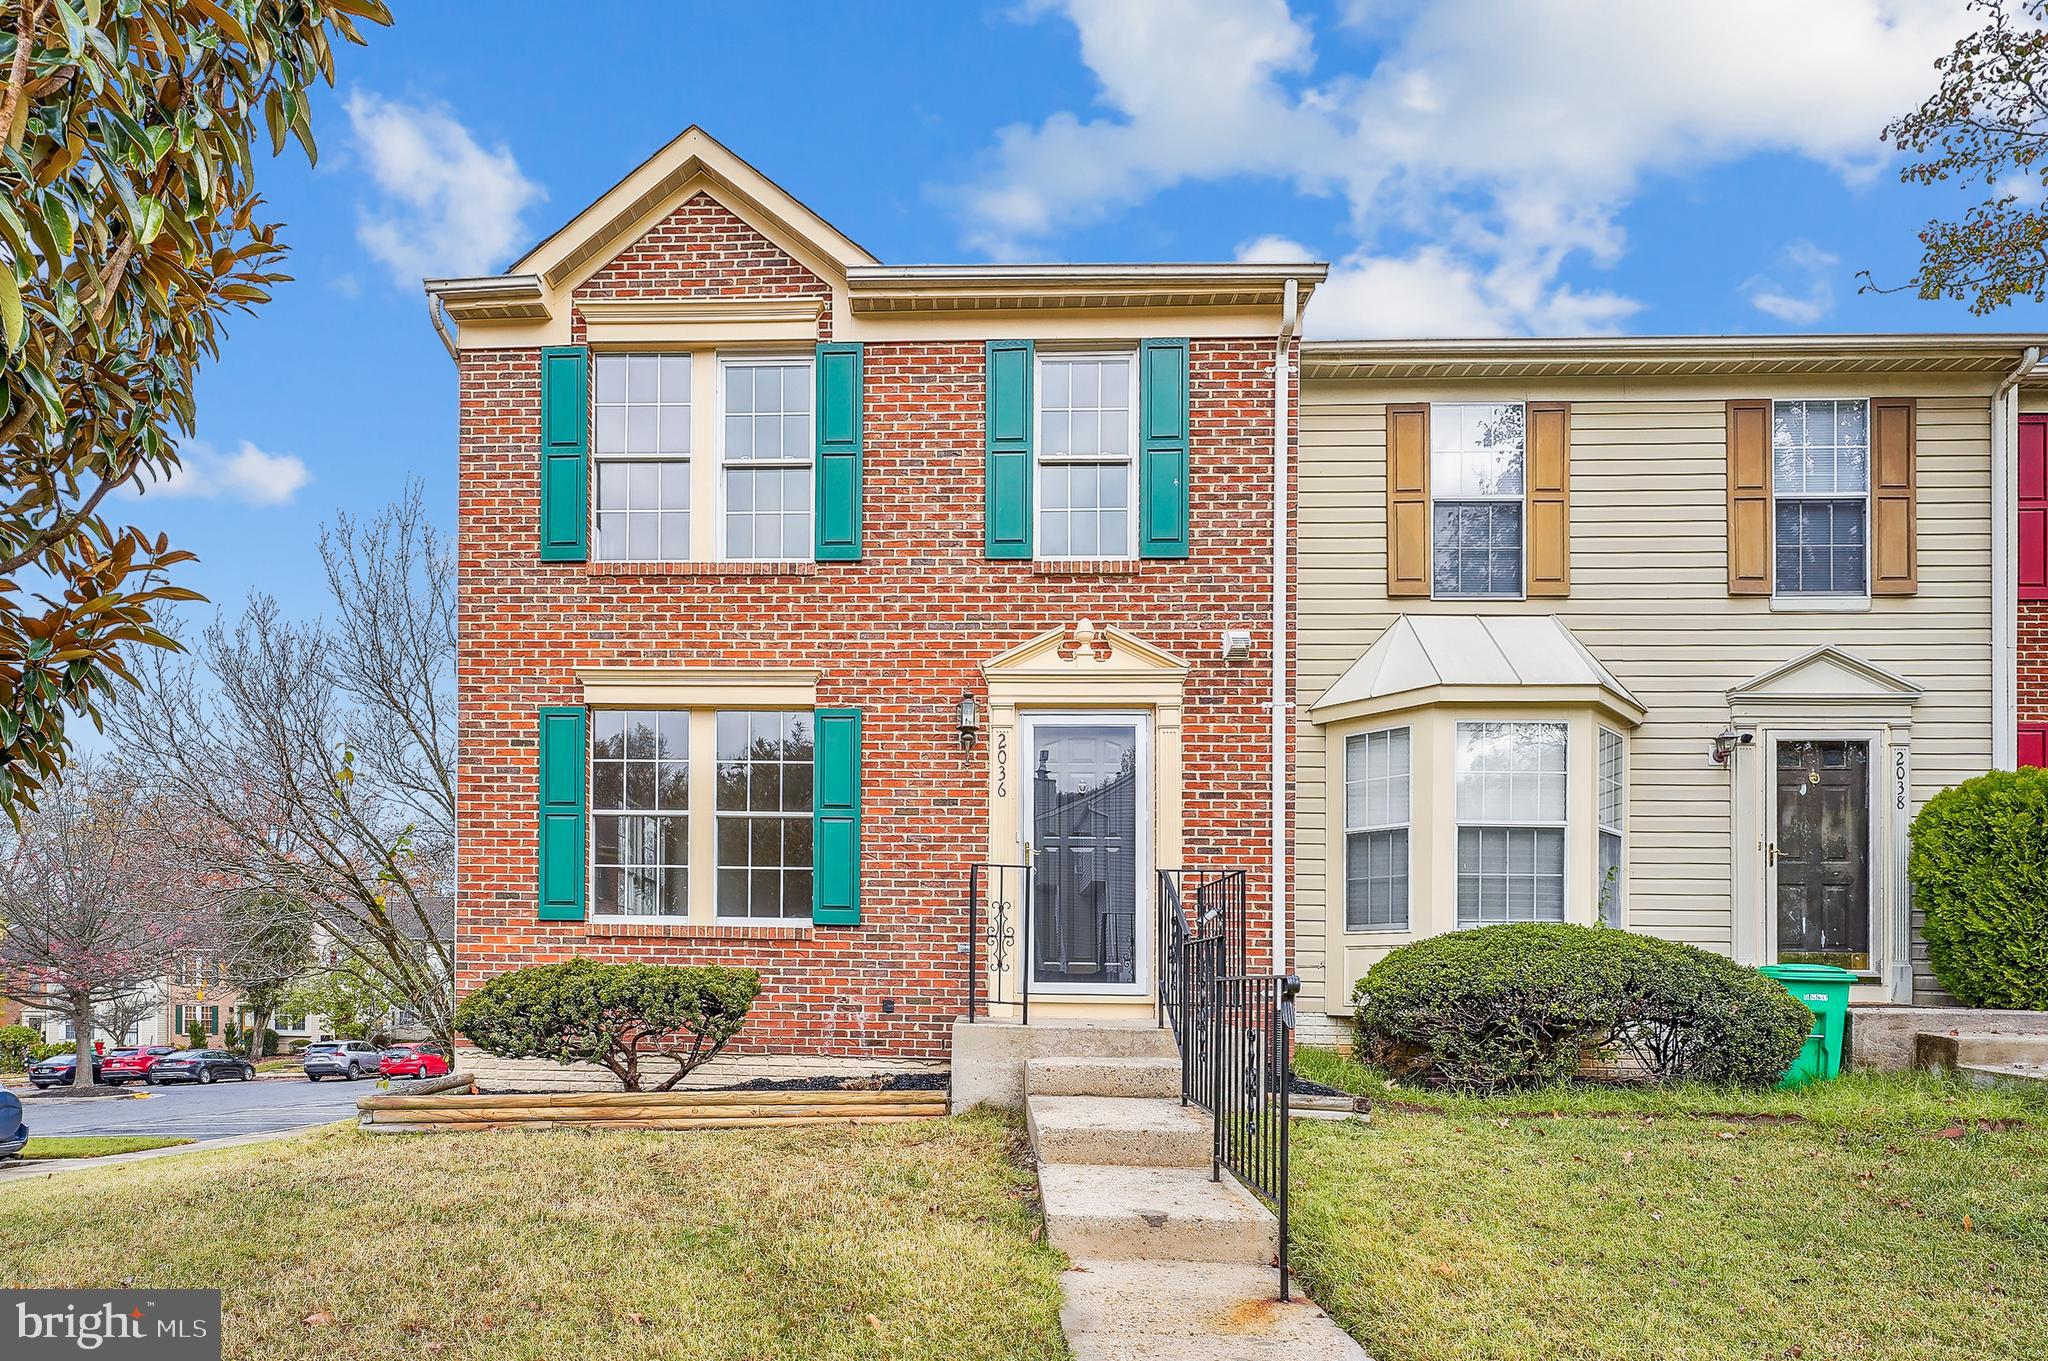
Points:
(414, 1111)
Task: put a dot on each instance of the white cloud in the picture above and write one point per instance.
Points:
(248, 475)
(1508, 139)
(1800, 289)
(447, 206)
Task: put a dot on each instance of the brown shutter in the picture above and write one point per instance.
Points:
(1894, 544)
(1550, 484)
(1408, 500)
(1749, 498)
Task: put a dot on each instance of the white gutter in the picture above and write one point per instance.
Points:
(1281, 709)
(2005, 580)
(440, 320)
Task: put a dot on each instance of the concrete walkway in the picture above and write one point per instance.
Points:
(1168, 1265)
(14, 1170)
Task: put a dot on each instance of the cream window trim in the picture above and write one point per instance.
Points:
(697, 687)
(675, 323)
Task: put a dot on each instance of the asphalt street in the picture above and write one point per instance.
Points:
(196, 1112)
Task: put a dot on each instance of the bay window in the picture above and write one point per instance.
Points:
(1376, 812)
(1613, 801)
(1511, 801)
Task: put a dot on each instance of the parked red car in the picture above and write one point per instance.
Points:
(413, 1060)
(131, 1064)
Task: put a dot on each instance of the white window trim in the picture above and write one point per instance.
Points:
(1883, 886)
(1522, 500)
(1601, 733)
(755, 359)
(1820, 602)
(1407, 824)
(1039, 459)
(1459, 822)
(688, 460)
(701, 909)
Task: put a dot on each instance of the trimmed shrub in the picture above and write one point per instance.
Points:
(1518, 1005)
(612, 1014)
(1979, 868)
(269, 1043)
(18, 1044)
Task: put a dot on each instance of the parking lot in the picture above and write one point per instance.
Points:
(196, 1112)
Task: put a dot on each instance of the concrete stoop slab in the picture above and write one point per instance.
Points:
(1193, 1311)
(1119, 1131)
(1960, 1049)
(1165, 1213)
(988, 1057)
(1991, 1074)
(1146, 1077)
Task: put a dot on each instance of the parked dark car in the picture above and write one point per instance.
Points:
(345, 1059)
(131, 1064)
(56, 1070)
(13, 1133)
(200, 1065)
(414, 1060)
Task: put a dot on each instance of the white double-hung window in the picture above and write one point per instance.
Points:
(1820, 495)
(1511, 821)
(1477, 477)
(765, 457)
(1087, 427)
(1376, 812)
(640, 812)
(1613, 810)
(641, 446)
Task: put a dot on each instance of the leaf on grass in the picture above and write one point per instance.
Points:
(319, 1318)
(1952, 1132)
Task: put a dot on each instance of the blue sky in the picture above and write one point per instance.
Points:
(1590, 165)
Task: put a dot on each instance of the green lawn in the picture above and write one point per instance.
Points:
(916, 1241)
(92, 1145)
(1888, 1219)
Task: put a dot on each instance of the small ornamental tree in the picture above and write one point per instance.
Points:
(611, 1014)
(1979, 867)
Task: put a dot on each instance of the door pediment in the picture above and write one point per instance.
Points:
(1825, 680)
(1084, 652)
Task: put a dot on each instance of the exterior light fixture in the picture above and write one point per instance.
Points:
(1727, 741)
(970, 721)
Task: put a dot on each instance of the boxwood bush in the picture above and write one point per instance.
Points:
(611, 1014)
(1518, 1005)
(1979, 867)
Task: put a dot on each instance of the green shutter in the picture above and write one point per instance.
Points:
(178, 1019)
(835, 819)
(213, 1020)
(565, 454)
(1163, 449)
(1007, 492)
(838, 465)
(562, 766)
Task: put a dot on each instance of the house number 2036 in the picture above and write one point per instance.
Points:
(1899, 780)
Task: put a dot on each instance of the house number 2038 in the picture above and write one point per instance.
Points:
(1899, 780)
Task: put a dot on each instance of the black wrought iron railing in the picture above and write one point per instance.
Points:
(1235, 1032)
(998, 951)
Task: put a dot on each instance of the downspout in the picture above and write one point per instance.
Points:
(1290, 308)
(440, 320)
(2005, 583)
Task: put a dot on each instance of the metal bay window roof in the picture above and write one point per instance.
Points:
(1474, 659)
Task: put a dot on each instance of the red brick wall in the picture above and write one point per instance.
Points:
(900, 635)
(2033, 662)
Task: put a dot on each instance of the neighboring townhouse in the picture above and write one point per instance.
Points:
(1671, 633)
(795, 586)
(2026, 580)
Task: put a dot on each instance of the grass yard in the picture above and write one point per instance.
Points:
(1882, 1218)
(917, 1240)
(40, 1148)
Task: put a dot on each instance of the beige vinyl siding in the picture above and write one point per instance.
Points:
(1649, 597)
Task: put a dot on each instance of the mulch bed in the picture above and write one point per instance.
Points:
(59, 1093)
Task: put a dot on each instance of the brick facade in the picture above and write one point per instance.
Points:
(2032, 638)
(899, 634)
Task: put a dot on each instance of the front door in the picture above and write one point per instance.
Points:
(1086, 820)
(1822, 853)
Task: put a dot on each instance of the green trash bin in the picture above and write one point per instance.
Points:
(1825, 990)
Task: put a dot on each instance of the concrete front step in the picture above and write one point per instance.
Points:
(1158, 1077)
(988, 1057)
(1119, 1131)
(1946, 1052)
(1193, 1311)
(1167, 1213)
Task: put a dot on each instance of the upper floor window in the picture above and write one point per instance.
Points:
(1511, 822)
(765, 429)
(1086, 431)
(1477, 477)
(641, 446)
(1376, 831)
(1820, 491)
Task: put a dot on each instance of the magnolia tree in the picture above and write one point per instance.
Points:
(132, 228)
(94, 910)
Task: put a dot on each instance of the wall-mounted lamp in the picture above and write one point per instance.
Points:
(1727, 741)
(1237, 644)
(970, 721)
